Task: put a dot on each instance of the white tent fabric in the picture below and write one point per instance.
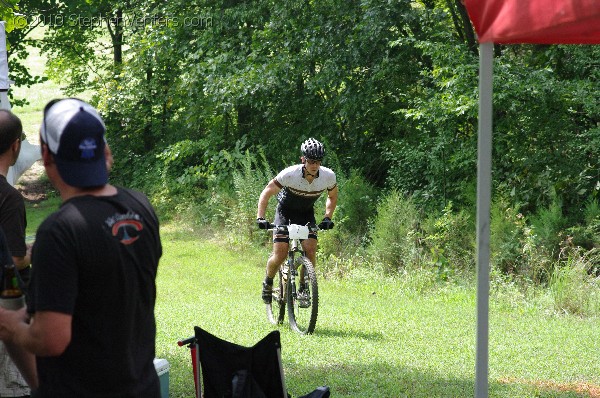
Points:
(4, 82)
(29, 153)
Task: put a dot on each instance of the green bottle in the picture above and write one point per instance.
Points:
(11, 295)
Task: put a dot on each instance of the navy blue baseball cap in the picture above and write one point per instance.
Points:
(74, 133)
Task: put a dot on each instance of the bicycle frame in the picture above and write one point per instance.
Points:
(302, 308)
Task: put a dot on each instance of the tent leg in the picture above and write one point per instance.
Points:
(484, 191)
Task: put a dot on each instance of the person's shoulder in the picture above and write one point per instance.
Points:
(138, 196)
(55, 217)
(6, 187)
(136, 199)
(132, 192)
(9, 191)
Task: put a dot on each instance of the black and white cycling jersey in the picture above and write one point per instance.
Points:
(297, 193)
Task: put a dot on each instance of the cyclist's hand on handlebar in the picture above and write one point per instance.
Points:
(262, 223)
(326, 223)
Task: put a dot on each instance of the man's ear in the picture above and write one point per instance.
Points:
(46, 155)
(15, 145)
(109, 157)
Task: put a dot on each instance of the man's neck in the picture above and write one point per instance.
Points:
(68, 192)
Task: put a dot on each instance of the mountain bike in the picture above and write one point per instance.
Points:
(302, 302)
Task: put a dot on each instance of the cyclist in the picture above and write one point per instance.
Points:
(297, 188)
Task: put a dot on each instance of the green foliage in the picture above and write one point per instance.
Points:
(547, 143)
(394, 233)
(507, 235)
(9, 13)
(587, 234)
(548, 225)
(544, 239)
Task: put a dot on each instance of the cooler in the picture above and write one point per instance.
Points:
(162, 369)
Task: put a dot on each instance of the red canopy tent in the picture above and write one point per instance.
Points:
(506, 22)
(536, 21)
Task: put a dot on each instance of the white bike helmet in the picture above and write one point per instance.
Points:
(312, 149)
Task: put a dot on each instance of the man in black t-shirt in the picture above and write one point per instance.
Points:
(12, 206)
(13, 222)
(93, 285)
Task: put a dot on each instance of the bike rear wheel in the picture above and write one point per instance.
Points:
(276, 309)
(303, 311)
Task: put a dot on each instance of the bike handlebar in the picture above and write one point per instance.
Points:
(311, 227)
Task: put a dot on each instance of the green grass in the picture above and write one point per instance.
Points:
(375, 337)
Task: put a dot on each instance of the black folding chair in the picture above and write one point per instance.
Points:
(223, 369)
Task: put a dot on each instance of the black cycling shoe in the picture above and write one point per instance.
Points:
(267, 293)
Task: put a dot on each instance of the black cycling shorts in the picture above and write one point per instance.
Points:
(287, 217)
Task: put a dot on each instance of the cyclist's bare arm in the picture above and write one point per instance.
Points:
(331, 203)
(263, 200)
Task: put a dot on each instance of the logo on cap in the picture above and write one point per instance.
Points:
(88, 148)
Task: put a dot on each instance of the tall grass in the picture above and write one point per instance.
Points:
(573, 288)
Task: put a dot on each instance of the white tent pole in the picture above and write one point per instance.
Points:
(484, 193)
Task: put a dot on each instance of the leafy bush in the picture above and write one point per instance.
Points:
(394, 232)
(450, 241)
(588, 234)
(545, 238)
(549, 224)
(507, 233)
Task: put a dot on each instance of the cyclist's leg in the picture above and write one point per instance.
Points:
(277, 257)
(310, 249)
(280, 244)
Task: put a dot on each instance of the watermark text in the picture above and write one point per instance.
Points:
(129, 21)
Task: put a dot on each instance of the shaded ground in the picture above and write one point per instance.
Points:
(33, 184)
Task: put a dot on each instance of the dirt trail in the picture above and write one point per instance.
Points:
(33, 185)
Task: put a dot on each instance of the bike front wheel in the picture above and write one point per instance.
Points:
(303, 301)
(276, 309)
